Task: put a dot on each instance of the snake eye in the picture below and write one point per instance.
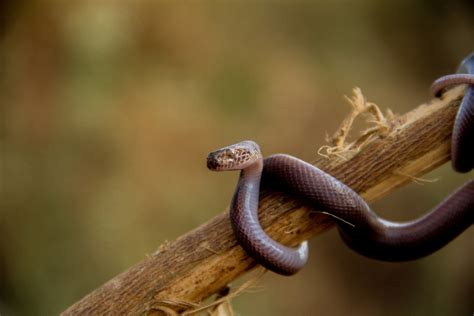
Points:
(228, 155)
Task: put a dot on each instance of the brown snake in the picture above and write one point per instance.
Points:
(360, 228)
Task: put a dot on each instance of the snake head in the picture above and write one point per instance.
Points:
(234, 157)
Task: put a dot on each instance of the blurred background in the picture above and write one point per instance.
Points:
(108, 110)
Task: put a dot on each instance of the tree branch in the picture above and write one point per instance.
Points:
(205, 260)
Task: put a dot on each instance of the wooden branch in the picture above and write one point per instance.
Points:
(206, 259)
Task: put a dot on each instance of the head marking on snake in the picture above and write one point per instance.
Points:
(234, 157)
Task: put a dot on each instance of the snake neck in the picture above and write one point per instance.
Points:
(246, 196)
(252, 173)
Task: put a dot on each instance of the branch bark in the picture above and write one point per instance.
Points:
(203, 261)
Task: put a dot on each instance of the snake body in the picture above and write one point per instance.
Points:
(462, 147)
(359, 226)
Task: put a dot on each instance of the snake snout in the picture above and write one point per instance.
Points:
(222, 159)
(212, 162)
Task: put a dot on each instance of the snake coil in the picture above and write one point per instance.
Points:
(360, 228)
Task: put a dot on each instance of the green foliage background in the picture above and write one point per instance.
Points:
(109, 109)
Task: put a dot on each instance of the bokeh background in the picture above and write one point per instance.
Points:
(109, 108)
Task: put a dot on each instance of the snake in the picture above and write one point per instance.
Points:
(359, 226)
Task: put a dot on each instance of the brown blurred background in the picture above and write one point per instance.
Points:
(110, 108)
